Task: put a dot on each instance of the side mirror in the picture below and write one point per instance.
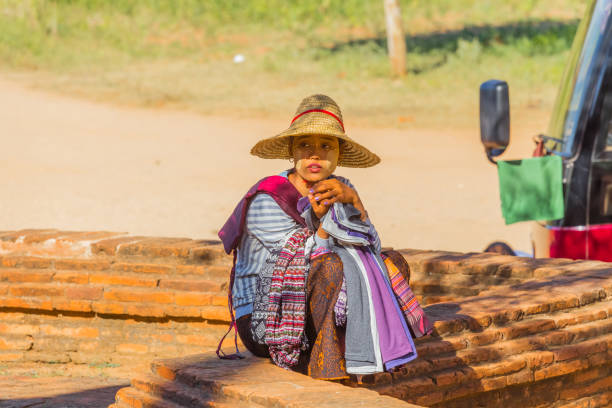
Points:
(494, 117)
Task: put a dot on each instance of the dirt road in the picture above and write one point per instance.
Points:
(78, 165)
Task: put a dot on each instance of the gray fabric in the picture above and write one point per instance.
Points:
(350, 217)
(358, 340)
(334, 230)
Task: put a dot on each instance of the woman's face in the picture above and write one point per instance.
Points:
(316, 157)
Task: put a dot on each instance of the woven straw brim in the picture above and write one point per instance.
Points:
(353, 154)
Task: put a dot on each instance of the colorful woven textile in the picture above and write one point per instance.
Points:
(287, 302)
(414, 314)
(340, 307)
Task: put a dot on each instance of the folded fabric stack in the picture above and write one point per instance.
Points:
(380, 311)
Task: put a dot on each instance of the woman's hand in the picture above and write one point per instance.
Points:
(332, 190)
(319, 207)
(329, 191)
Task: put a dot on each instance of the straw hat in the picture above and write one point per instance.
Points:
(316, 115)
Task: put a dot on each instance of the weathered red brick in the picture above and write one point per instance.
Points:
(522, 377)
(451, 377)
(494, 383)
(209, 254)
(110, 246)
(131, 348)
(212, 271)
(503, 367)
(26, 275)
(11, 356)
(21, 303)
(84, 292)
(525, 328)
(412, 369)
(182, 311)
(567, 301)
(536, 308)
(163, 337)
(476, 355)
(83, 264)
(562, 368)
(71, 277)
(441, 363)
(215, 313)
(19, 328)
(74, 332)
(122, 280)
(138, 295)
(41, 236)
(539, 359)
(590, 330)
(556, 338)
(157, 247)
(583, 349)
(26, 262)
(450, 326)
(582, 390)
(520, 345)
(30, 290)
(143, 268)
(16, 343)
(189, 285)
(599, 358)
(219, 300)
(486, 337)
(146, 310)
(113, 308)
(72, 305)
(192, 299)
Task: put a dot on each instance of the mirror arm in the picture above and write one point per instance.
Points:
(488, 152)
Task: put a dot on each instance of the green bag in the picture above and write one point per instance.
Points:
(531, 189)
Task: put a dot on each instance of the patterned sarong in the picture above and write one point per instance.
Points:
(287, 302)
(414, 314)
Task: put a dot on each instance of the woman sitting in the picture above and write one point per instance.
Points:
(310, 287)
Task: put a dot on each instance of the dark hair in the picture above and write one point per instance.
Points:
(499, 247)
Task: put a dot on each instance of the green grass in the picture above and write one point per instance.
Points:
(179, 52)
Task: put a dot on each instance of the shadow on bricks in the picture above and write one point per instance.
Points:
(92, 398)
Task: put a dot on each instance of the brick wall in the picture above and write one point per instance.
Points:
(109, 297)
(510, 331)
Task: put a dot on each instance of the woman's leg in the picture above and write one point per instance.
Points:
(326, 359)
(399, 262)
(243, 327)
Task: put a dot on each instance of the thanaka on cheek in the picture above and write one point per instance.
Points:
(316, 174)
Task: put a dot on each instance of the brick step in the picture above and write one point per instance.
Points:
(466, 377)
(461, 280)
(172, 391)
(119, 273)
(521, 352)
(182, 395)
(163, 250)
(256, 382)
(130, 398)
(439, 287)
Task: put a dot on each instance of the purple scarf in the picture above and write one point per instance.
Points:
(280, 189)
(287, 197)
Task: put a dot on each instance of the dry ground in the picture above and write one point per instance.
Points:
(73, 164)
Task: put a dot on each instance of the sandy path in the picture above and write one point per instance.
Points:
(78, 165)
